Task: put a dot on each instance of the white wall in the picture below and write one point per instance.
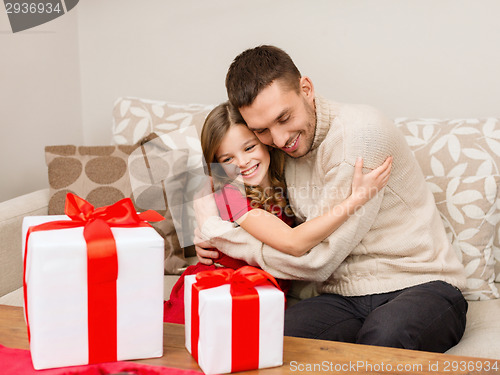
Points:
(40, 102)
(415, 58)
(433, 58)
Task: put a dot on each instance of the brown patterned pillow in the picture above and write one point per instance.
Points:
(100, 175)
(468, 208)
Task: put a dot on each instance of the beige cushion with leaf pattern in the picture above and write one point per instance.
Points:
(467, 206)
(461, 161)
(453, 148)
(134, 118)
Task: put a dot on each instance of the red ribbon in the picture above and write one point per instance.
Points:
(102, 266)
(245, 312)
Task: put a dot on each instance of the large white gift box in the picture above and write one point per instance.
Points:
(56, 294)
(226, 339)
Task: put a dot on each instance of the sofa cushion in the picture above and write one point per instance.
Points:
(468, 208)
(157, 178)
(134, 118)
(459, 148)
(452, 148)
(179, 128)
(481, 332)
(98, 174)
(12, 212)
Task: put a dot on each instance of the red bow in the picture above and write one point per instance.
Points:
(242, 279)
(245, 311)
(102, 266)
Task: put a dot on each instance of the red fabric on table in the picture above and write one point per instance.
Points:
(173, 309)
(18, 362)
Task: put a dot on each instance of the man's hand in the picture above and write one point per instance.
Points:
(204, 250)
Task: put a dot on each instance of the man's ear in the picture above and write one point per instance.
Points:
(307, 88)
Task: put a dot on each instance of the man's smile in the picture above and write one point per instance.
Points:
(292, 146)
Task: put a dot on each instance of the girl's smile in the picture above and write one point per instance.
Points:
(249, 172)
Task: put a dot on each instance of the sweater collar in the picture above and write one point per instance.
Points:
(324, 118)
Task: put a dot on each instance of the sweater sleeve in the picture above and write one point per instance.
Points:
(320, 262)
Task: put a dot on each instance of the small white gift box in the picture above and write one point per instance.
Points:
(226, 337)
(58, 297)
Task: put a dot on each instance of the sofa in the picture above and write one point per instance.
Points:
(460, 159)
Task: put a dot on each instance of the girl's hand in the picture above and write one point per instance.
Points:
(366, 186)
(204, 203)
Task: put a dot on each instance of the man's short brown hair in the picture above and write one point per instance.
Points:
(255, 69)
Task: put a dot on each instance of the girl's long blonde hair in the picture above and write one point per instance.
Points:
(216, 126)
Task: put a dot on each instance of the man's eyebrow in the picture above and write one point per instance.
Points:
(277, 119)
(282, 114)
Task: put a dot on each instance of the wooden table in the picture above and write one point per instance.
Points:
(301, 356)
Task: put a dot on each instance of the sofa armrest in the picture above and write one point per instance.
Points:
(12, 213)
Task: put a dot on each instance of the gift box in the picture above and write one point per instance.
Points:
(234, 320)
(93, 285)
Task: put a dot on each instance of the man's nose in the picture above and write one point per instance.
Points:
(279, 138)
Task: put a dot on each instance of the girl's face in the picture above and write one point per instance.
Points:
(244, 157)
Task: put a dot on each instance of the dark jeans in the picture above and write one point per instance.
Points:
(429, 317)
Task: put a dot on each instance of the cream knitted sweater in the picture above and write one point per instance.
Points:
(394, 241)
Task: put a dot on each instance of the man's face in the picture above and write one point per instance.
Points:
(283, 118)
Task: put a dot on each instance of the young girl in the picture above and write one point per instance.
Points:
(249, 185)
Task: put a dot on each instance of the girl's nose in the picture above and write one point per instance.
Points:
(243, 162)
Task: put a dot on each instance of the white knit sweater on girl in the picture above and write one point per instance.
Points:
(396, 240)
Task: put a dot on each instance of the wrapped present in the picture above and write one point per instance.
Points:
(234, 320)
(93, 285)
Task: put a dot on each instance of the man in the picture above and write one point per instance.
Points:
(388, 276)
